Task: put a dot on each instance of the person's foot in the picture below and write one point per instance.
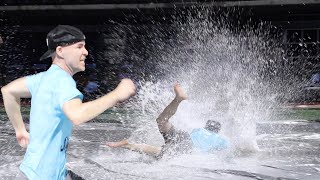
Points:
(118, 144)
(180, 95)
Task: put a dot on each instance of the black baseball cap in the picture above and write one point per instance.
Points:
(62, 35)
(213, 126)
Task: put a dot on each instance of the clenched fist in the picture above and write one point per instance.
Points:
(125, 90)
(23, 138)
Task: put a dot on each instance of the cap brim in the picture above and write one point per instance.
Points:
(47, 54)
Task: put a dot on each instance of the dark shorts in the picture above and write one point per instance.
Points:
(72, 176)
(176, 142)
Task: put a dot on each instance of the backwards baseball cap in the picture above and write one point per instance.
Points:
(62, 35)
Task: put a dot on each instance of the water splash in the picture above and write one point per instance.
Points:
(231, 74)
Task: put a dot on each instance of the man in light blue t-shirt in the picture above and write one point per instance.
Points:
(56, 105)
(176, 141)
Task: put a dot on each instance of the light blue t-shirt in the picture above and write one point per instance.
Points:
(50, 129)
(206, 141)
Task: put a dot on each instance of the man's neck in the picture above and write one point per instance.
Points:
(63, 66)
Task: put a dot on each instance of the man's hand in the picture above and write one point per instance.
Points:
(124, 90)
(23, 138)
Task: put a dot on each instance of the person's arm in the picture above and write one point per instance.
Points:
(79, 112)
(142, 148)
(12, 94)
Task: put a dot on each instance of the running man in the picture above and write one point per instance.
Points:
(56, 105)
(176, 141)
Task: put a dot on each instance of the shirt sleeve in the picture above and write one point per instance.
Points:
(68, 91)
(33, 82)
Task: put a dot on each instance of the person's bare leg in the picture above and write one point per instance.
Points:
(143, 148)
(163, 119)
(118, 143)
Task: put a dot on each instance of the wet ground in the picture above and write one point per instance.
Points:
(289, 149)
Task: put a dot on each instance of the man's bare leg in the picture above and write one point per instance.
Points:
(163, 119)
(143, 148)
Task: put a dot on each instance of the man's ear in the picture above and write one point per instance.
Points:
(59, 51)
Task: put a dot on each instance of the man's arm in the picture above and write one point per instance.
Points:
(12, 94)
(79, 112)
